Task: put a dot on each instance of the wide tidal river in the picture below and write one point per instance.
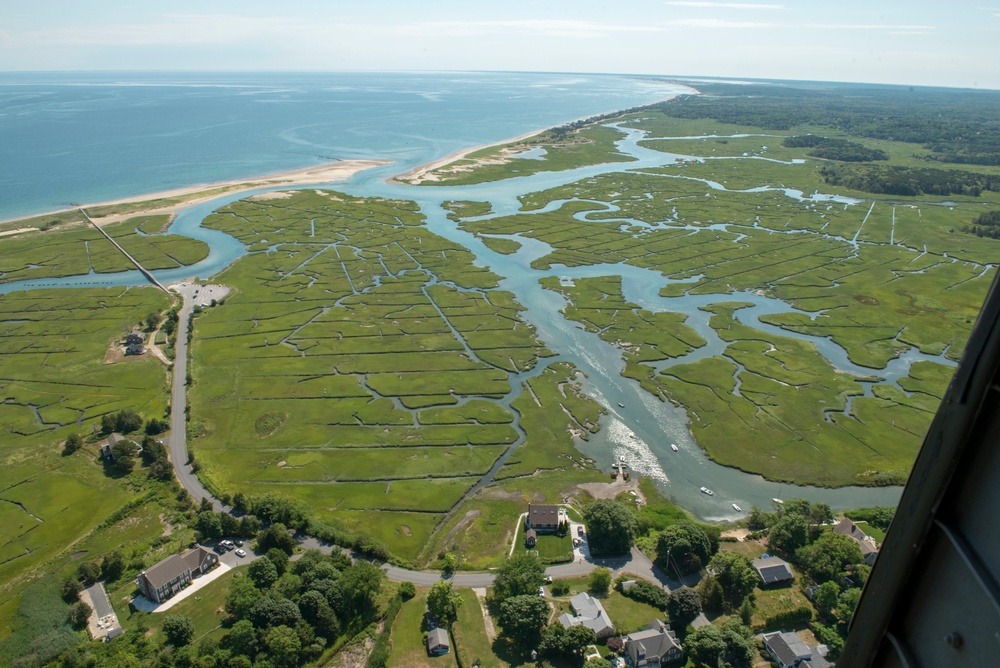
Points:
(638, 425)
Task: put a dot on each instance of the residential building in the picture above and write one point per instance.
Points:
(543, 518)
(590, 613)
(134, 349)
(869, 550)
(773, 571)
(656, 645)
(109, 443)
(789, 651)
(438, 642)
(133, 338)
(163, 580)
(530, 538)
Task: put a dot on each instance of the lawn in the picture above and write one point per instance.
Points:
(550, 548)
(408, 646)
(469, 632)
(205, 608)
(627, 615)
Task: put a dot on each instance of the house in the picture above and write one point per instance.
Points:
(543, 518)
(789, 651)
(773, 571)
(134, 349)
(656, 645)
(108, 444)
(438, 642)
(867, 544)
(134, 338)
(163, 580)
(530, 538)
(590, 613)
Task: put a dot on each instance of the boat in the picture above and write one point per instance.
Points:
(631, 434)
(737, 508)
(706, 490)
(621, 458)
(778, 501)
(621, 405)
(673, 446)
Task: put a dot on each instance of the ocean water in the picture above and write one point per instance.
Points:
(89, 137)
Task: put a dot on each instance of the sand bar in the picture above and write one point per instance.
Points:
(325, 173)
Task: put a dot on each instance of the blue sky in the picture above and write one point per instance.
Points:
(886, 41)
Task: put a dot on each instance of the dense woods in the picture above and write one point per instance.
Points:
(958, 126)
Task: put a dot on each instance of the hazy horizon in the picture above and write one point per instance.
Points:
(905, 43)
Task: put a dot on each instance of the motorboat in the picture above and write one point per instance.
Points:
(706, 490)
(778, 501)
(621, 405)
(673, 446)
(737, 508)
(621, 458)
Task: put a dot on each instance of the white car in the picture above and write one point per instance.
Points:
(241, 553)
(541, 591)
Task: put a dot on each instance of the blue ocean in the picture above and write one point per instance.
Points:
(89, 137)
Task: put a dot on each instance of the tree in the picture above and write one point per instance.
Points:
(831, 554)
(758, 519)
(153, 321)
(712, 596)
(70, 589)
(112, 565)
(279, 558)
(788, 533)
(283, 646)
(107, 423)
(611, 527)
(683, 545)
(847, 603)
(263, 573)
(243, 593)
(156, 426)
(826, 598)
(407, 590)
(735, 574)
(600, 581)
(88, 572)
(522, 619)
(127, 421)
(268, 613)
(72, 444)
(242, 638)
(559, 641)
(179, 630)
(249, 526)
(362, 582)
(277, 536)
(443, 602)
(746, 610)
(79, 613)
(683, 606)
(123, 454)
(731, 645)
(520, 575)
(449, 563)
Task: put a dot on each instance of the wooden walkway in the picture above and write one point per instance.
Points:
(145, 272)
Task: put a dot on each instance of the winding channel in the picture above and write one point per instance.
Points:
(646, 426)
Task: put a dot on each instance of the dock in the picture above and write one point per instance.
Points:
(145, 272)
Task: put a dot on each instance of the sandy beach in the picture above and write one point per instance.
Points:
(326, 173)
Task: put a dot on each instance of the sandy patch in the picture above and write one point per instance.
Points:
(738, 534)
(609, 490)
(7, 233)
(277, 194)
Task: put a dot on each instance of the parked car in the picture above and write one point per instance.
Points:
(220, 549)
(241, 553)
(239, 543)
(541, 591)
(579, 530)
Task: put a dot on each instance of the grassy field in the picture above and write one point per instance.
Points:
(471, 642)
(356, 366)
(627, 615)
(408, 648)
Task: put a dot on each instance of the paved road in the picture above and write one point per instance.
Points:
(178, 422)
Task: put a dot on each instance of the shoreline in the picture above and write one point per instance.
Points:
(415, 176)
(316, 174)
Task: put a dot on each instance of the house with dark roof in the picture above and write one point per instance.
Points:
(161, 581)
(773, 571)
(869, 550)
(438, 642)
(656, 645)
(134, 349)
(133, 338)
(790, 651)
(543, 518)
(530, 538)
(109, 443)
(588, 612)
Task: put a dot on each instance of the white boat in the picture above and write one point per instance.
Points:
(737, 508)
(673, 446)
(631, 434)
(778, 501)
(621, 405)
(621, 458)
(706, 490)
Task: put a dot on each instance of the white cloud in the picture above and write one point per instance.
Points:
(543, 27)
(725, 5)
(719, 23)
